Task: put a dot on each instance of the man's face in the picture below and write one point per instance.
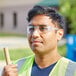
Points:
(41, 39)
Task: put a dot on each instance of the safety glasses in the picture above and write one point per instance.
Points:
(41, 28)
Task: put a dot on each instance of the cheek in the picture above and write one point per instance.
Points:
(28, 36)
(51, 39)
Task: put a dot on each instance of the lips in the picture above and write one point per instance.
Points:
(36, 41)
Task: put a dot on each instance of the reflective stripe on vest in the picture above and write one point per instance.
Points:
(20, 63)
(71, 69)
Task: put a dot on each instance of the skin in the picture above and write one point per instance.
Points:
(44, 45)
(10, 70)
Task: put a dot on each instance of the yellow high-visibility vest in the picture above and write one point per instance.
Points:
(64, 67)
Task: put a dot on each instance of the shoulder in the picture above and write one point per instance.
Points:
(69, 60)
(71, 64)
(22, 60)
(71, 67)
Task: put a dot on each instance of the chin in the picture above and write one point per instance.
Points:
(38, 50)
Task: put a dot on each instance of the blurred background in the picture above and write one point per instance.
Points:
(13, 14)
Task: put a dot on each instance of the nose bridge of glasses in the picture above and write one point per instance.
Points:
(36, 32)
(36, 29)
(32, 28)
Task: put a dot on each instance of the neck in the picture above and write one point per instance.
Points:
(48, 59)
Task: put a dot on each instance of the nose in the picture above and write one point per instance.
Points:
(35, 33)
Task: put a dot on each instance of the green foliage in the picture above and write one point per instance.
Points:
(62, 50)
(65, 7)
(68, 9)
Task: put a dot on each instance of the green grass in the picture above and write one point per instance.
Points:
(62, 50)
(16, 53)
(22, 52)
(13, 35)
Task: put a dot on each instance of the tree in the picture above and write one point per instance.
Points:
(68, 9)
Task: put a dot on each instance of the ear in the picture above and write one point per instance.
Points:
(60, 34)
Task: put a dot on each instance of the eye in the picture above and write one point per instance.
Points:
(43, 28)
(31, 28)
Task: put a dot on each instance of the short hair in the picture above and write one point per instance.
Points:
(48, 11)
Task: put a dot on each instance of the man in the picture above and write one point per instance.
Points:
(44, 30)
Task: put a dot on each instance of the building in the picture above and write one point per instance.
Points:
(13, 14)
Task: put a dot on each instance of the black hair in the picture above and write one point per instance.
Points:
(51, 12)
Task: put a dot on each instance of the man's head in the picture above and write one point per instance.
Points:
(45, 29)
(48, 11)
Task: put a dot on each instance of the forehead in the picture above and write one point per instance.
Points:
(41, 19)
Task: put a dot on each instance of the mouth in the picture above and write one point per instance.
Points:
(36, 42)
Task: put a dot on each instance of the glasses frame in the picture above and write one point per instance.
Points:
(31, 28)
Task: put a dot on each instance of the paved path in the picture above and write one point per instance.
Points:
(15, 42)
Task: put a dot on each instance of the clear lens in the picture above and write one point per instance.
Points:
(41, 28)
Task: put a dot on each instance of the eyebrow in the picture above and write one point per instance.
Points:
(30, 25)
(38, 25)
